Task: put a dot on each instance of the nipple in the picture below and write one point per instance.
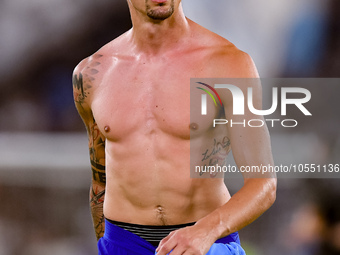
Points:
(107, 129)
(193, 126)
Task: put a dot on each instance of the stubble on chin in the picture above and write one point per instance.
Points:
(159, 13)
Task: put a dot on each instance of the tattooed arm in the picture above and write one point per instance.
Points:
(97, 192)
(82, 93)
(251, 146)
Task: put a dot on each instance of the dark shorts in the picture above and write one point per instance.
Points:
(118, 241)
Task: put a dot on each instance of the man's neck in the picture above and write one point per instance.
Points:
(154, 36)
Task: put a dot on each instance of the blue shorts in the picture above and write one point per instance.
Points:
(118, 241)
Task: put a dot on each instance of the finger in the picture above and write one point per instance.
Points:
(166, 247)
(177, 251)
(164, 240)
(169, 236)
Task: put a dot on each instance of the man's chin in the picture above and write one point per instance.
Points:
(157, 14)
(160, 9)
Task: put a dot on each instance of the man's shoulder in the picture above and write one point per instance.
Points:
(230, 60)
(224, 57)
(233, 62)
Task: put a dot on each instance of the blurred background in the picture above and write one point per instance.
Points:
(44, 166)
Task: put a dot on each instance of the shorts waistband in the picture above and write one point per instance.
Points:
(151, 233)
(160, 227)
(117, 234)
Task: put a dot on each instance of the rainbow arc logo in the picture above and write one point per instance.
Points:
(204, 97)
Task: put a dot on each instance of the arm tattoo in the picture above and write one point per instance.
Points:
(96, 147)
(78, 85)
(96, 203)
(218, 153)
(219, 150)
(82, 84)
(97, 156)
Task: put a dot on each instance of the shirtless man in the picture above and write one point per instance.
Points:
(139, 127)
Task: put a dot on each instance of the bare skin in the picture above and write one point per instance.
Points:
(134, 97)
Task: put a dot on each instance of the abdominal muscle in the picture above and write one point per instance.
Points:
(148, 182)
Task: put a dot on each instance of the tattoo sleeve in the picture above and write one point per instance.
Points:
(97, 192)
(81, 91)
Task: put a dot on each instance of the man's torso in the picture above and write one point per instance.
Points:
(141, 104)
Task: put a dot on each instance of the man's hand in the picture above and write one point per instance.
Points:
(193, 240)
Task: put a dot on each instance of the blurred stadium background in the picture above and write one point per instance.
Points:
(44, 165)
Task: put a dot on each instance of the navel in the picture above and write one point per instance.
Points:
(161, 214)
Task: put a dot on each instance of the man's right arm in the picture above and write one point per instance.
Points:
(97, 191)
(82, 93)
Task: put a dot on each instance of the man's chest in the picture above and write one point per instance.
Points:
(146, 99)
(143, 102)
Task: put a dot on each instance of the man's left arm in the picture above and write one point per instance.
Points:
(251, 147)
